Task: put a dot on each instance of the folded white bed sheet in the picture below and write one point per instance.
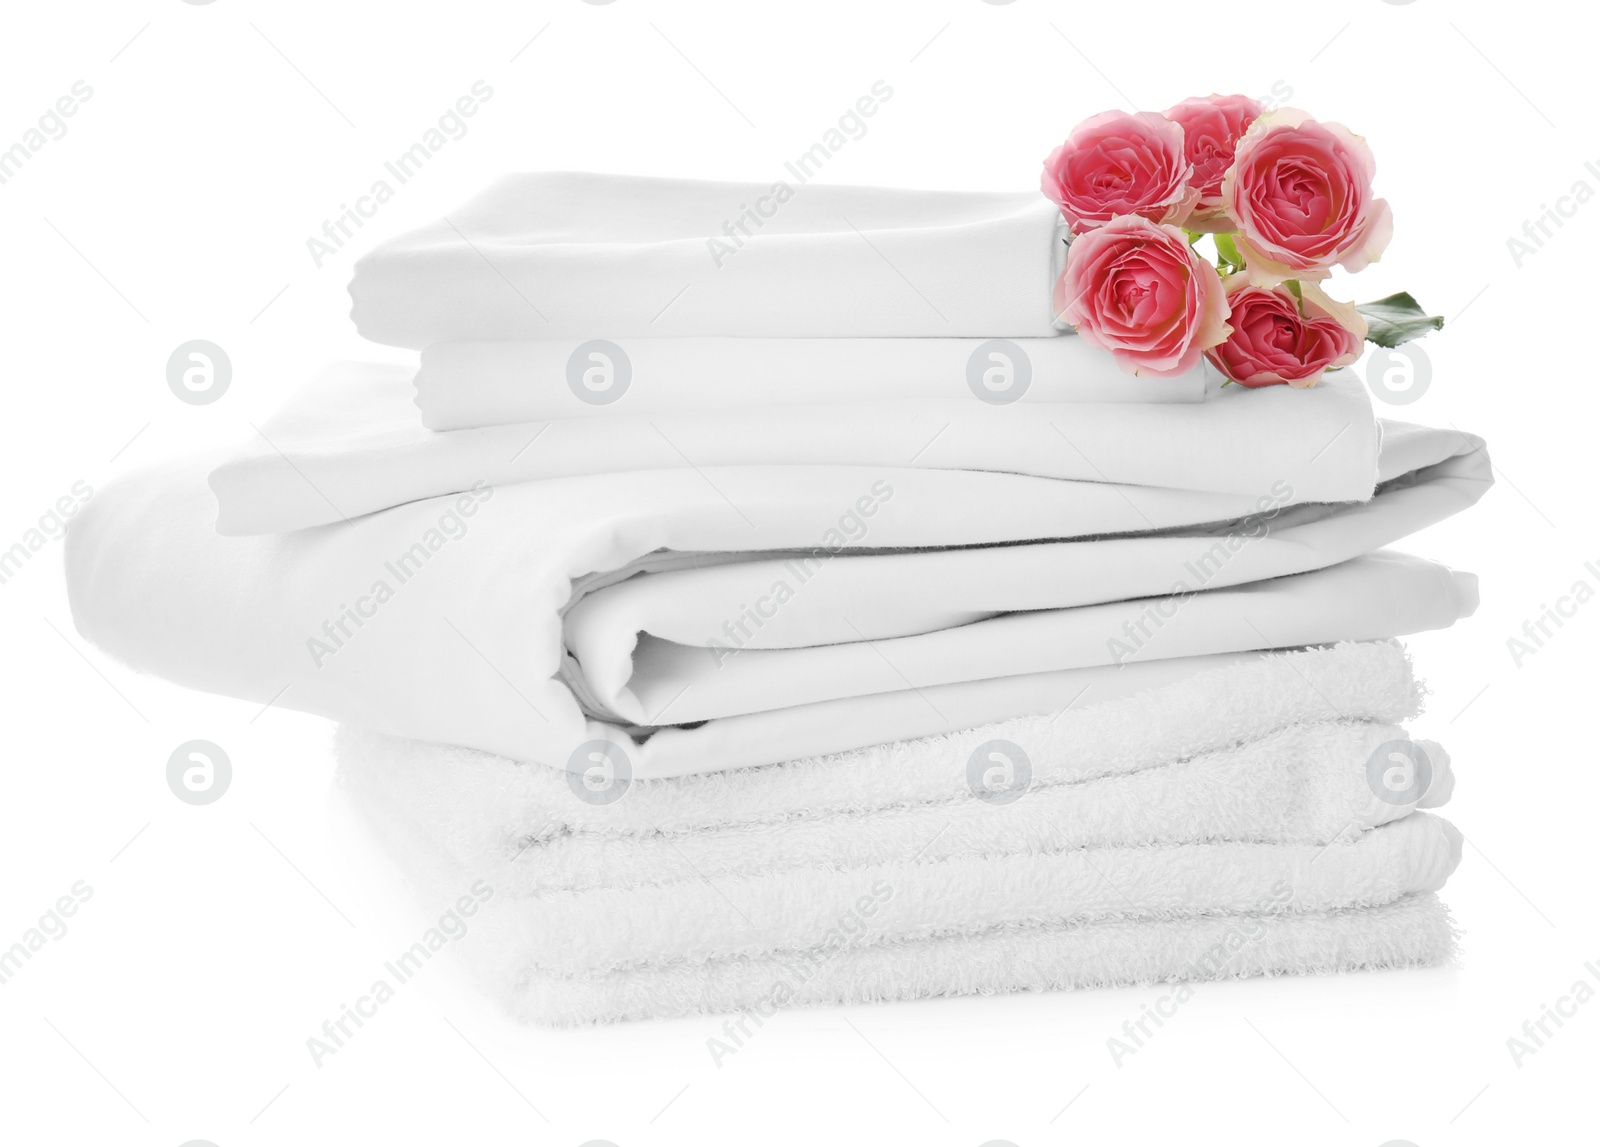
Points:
(582, 256)
(352, 443)
(531, 618)
(462, 385)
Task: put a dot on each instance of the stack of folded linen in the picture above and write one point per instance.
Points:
(818, 622)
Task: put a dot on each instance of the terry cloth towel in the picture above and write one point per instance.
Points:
(531, 619)
(1411, 931)
(1003, 791)
(692, 928)
(484, 809)
(469, 384)
(577, 256)
(352, 443)
(482, 806)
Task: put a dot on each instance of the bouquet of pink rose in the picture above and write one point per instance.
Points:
(1283, 198)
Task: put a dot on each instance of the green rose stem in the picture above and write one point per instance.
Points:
(1228, 253)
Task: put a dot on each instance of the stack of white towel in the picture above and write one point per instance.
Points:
(817, 622)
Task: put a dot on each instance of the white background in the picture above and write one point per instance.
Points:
(219, 137)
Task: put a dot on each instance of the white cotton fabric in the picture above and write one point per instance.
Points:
(462, 385)
(584, 256)
(1304, 784)
(631, 921)
(486, 809)
(1223, 823)
(1410, 932)
(351, 443)
(533, 618)
(798, 908)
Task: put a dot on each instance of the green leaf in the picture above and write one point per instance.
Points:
(1194, 236)
(1228, 252)
(1397, 319)
(1299, 297)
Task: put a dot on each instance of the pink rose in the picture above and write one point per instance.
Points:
(1119, 163)
(1276, 340)
(1138, 290)
(1212, 127)
(1301, 194)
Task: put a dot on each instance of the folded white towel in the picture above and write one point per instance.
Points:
(483, 807)
(469, 384)
(1412, 931)
(1238, 806)
(578, 256)
(706, 942)
(1304, 784)
(352, 442)
(799, 908)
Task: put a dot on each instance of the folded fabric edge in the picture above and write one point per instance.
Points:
(1411, 932)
